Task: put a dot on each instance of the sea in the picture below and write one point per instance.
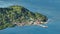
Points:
(50, 8)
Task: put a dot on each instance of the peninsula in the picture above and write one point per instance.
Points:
(19, 16)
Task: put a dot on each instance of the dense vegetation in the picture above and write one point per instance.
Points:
(12, 14)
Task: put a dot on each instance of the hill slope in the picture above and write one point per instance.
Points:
(18, 15)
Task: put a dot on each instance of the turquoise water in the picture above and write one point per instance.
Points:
(50, 8)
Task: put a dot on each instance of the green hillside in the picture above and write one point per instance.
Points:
(17, 14)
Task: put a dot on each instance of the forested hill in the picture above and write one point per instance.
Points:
(14, 14)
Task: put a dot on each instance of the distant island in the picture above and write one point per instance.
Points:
(19, 16)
